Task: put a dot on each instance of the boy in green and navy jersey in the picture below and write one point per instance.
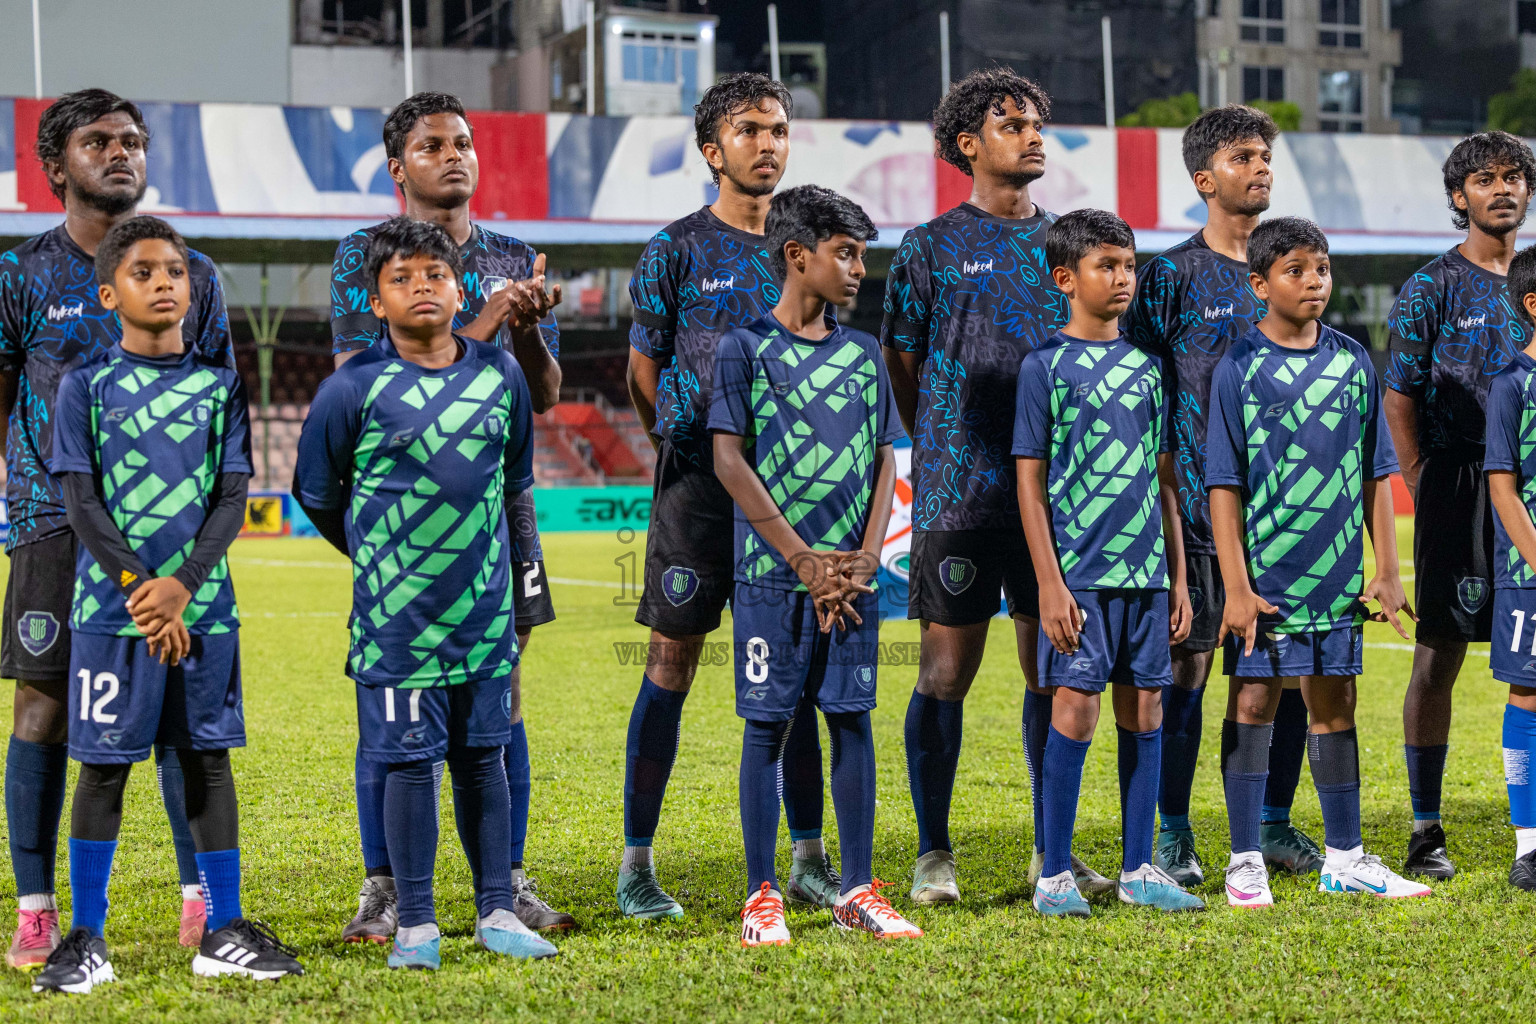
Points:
(803, 422)
(408, 461)
(1511, 466)
(152, 449)
(1097, 498)
(1297, 457)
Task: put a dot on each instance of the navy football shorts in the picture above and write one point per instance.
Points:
(1513, 652)
(395, 724)
(122, 701)
(1124, 641)
(781, 654)
(1329, 652)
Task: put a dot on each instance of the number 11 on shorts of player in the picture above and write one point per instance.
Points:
(1514, 644)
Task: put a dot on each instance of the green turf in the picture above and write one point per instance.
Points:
(1466, 951)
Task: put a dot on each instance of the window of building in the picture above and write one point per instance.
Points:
(1340, 101)
(1340, 24)
(1213, 8)
(1263, 21)
(1525, 17)
(1263, 84)
(663, 58)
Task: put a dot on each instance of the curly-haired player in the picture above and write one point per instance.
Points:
(1453, 329)
(968, 296)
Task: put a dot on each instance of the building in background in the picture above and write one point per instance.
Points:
(883, 59)
(1456, 55)
(1335, 59)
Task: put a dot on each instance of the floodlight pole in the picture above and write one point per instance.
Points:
(37, 52)
(591, 62)
(1109, 74)
(410, 72)
(943, 54)
(773, 42)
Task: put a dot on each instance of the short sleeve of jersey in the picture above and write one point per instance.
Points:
(1226, 446)
(322, 473)
(1377, 450)
(1414, 323)
(653, 294)
(1153, 309)
(14, 318)
(213, 341)
(1032, 411)
(517, 462)
(888, 428)
(72, 443)
(237, 431)
(908, 302)
(1504, 401)
(730, 402)
(353, 325)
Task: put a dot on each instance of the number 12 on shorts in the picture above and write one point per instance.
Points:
(105, 683)
(1514, 644)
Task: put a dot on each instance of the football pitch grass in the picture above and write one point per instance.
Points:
(1465, 952)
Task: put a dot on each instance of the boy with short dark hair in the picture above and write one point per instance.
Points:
(1098, 503)
(1297, 457)
(803, 423)
(152, 447)
(1511, 467)
(410, 456)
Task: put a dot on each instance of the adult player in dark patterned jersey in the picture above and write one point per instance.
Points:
(1192, 303)
(1453, 328)
(430, 146)
(968, 296)
(697, 279)
(92, 145)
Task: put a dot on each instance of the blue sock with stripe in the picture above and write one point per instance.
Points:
(220, 874)
(1519, 751)
(1037, 726)
(90, 868)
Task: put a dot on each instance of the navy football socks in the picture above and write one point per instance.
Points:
(1335, 760)
(1141, 759)
(1244, 768)
(1426, 773)
(519, 788)
(173, 794)
(762, 746)
(1063, 781)
(481, 812)
(1287, 749)
(410, 829)
(1037, 724)
(1182, 721)
(933, 732)
(853, 795)
(368, 779)
(649, 754)
(804, 787)
(35, 774)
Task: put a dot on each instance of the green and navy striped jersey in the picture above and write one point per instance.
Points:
(156, 433)
(421, 460)
(813, 413)
(1299, 431)
(1097, 410)
(1512, 447)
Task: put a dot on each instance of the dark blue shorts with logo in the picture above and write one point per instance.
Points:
(781, 654)
(689, 558)
(396, 724)
(1513, 652)
(122, 701)
(1124, 642)
(1329, 652)
(955, 576)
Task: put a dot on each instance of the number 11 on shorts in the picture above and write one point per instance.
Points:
(1514, 644)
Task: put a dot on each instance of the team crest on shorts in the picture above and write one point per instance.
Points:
(1196, 601)
(957, 574)
(679, 584)
(1472, 592)
(37, 631)
(864, 675)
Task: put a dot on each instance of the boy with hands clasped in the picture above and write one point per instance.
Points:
(1097, 499)
(1297, 459)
